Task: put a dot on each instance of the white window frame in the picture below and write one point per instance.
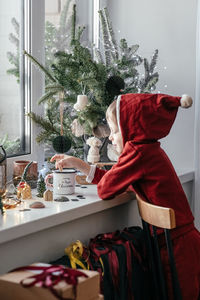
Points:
(34, 86)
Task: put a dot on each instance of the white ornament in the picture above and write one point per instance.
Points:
(77, 129)
(93, 153)
(112, 154)
(82, 101)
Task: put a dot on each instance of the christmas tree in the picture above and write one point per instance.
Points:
(101, 78)
(41, 186)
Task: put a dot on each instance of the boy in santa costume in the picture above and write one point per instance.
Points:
(137, 122)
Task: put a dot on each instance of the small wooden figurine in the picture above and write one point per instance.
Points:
(48, 195)
(24, 191)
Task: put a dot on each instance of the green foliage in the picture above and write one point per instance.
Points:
(41, 186)
(23, 178)
(73, 71)
(123, 61)
(14, 57)
(10, 146)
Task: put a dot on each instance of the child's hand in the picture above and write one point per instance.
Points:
(67, 161)
(64, 161)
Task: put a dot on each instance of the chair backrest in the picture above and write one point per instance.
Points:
(154, 217)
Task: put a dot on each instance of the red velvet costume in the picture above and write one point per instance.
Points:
(143, 119)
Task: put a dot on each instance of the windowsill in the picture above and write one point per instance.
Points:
(185, 174)
(16, 224)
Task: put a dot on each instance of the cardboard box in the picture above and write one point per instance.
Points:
(10, 288)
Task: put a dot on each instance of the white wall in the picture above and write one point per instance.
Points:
(170, 27)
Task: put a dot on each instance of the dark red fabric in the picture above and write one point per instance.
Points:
(186, 251)
(144, 118)
(149, 116)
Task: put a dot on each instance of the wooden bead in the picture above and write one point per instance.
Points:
(48, 195)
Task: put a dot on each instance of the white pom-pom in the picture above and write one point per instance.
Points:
(186, 101)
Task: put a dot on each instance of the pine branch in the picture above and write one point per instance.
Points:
(63, 16)
(146, 68)
(48, 95)
(98, 55)
(106, 42)
(41, 67)
(44, 136)
(111, 34)
(73, 25)
(14, 40)
(13, 59)
(23, 178)
(134, 49)
(80, 32)
(15, 23)
(56, 86)
(46, 125)
(151, 83)
(153, 61)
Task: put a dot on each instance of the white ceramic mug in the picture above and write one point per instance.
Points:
(63, 182)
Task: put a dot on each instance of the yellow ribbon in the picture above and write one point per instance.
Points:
(101, 262)
(75, 251)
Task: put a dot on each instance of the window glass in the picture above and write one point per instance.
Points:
(13, 129)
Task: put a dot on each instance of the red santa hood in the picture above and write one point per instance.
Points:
(144, 118)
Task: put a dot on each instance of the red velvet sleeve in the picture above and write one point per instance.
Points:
(99, 173)
(127, 170)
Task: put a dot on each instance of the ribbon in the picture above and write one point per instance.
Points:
(51, 276)
(75, 252)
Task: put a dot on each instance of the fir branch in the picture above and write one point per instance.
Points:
(63, 16)
(98, 55)
(111, 34)
(73, 25)
(13, 59)
(146, 68)
(134, 49)
(47, 95)
(56, 86)
(106, 42)
(80, 32)
(14, 40)
(153, 61)
(15, 23)
(23, 178)
(151, 83)
(45, 124)
(44, 136)
(123, 46)
(41, 67)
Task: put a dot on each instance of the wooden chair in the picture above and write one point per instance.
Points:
(159, 217)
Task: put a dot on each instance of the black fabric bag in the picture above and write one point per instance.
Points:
(121, 259)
